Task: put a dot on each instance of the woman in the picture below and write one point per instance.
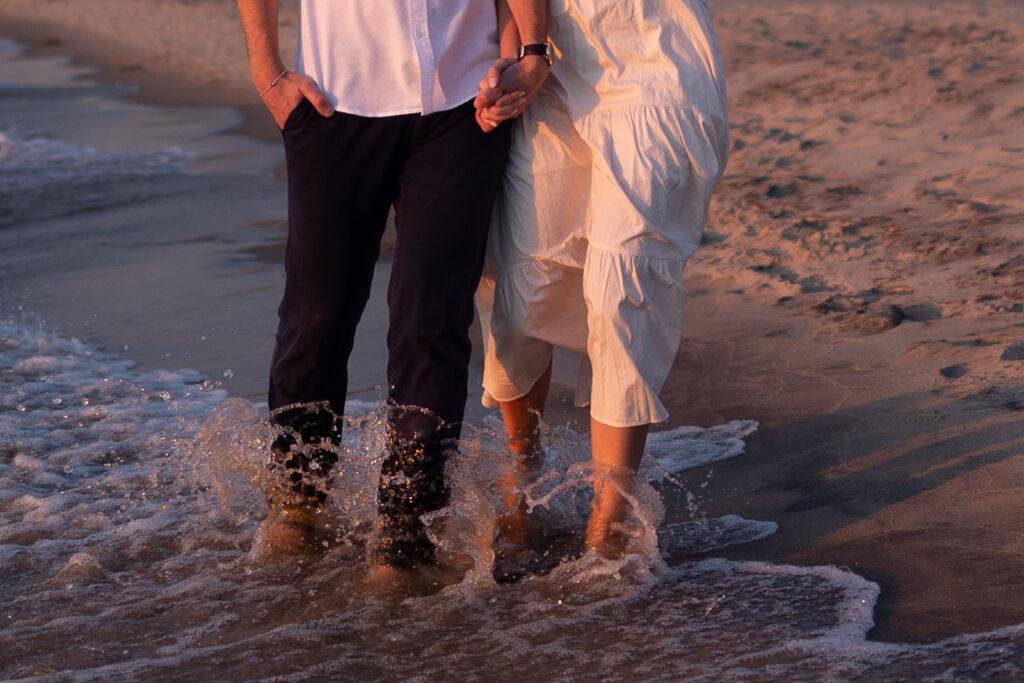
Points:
(606, 192)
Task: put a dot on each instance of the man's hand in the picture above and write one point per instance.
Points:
(289, 91)
(281, 90)
(507, 88)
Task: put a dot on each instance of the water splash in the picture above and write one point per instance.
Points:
(126, 519)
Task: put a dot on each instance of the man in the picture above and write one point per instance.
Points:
(377, 113)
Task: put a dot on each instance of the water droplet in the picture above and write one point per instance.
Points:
(124, 348)
(85, 400)
(57, 400)
(165, 395)
(21, 407)
(229, 373)
(69, 469)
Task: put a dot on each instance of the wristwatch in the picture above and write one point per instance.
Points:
(544, 50)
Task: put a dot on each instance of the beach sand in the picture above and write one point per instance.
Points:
(860, 291)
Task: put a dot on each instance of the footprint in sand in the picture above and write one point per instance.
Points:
(1013, 352)
(954, 371)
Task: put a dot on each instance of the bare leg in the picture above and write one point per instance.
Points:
(616, 453)
(522, 422)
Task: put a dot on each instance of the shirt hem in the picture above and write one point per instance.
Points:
(402, 112)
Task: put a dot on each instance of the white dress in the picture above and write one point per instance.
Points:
(605, 197)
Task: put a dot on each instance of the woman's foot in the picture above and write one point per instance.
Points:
(606, 531)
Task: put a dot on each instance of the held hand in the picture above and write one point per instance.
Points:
(489, 90)
(506, 90)
(504, 108)
(289, 91)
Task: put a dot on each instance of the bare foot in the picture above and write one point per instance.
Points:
(386, 582)
(283, 534)
(605, 530)
(515, 527)
(607, 538)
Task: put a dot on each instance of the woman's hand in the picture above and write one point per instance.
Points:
(509, 86)
(504, 108)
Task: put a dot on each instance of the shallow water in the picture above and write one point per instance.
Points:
(129, 495)
(118, 221)
(127, 510)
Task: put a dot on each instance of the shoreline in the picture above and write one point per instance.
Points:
(178, 77)
(861, 311)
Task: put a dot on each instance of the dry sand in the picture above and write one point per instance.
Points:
(861, 289)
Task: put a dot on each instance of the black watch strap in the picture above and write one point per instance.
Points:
(540, 49)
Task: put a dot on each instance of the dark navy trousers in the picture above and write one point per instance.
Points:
(441, 173)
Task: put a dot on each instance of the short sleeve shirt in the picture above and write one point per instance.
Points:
(388, 57)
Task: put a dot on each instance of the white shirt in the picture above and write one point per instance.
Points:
(389, 57)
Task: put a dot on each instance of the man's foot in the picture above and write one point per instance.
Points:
(387, 582)
(289, 532)
(303, 455)
(298, 474)
(411, 485)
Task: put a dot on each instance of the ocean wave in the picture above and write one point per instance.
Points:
(42, 178)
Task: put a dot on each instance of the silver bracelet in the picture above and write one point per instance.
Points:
(273, 83)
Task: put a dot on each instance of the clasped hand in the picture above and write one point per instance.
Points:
(507, 88)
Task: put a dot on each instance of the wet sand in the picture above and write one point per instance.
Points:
(860, 292)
